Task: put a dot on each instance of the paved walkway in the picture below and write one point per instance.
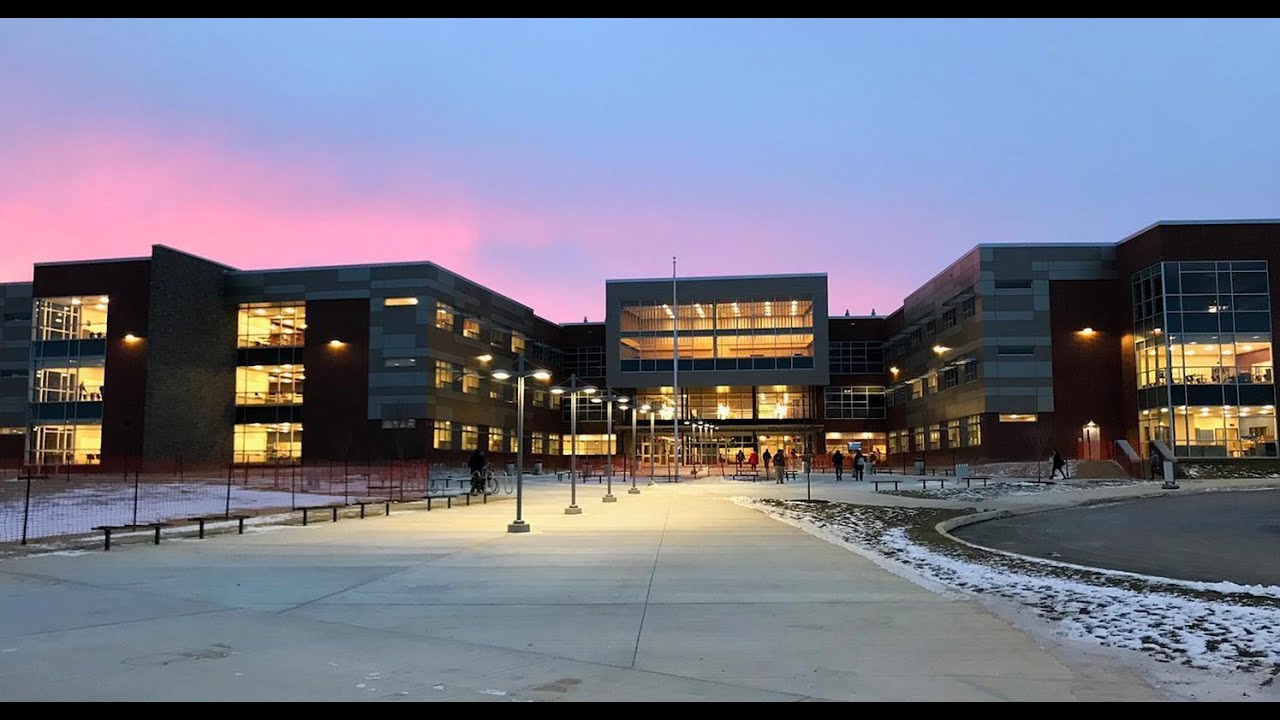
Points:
(675, 594)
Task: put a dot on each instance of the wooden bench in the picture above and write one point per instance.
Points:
(332, 508)
(108, 529)
(219, 518)
(877, 483)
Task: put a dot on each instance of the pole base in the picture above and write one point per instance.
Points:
(634, 491)
(518, 526)
(573, 510)
(608, 498)
(1169, 485)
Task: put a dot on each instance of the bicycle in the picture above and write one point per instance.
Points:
(485, 481)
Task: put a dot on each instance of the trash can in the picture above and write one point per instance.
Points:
(511, 467)
(920, 465)
(537, 467)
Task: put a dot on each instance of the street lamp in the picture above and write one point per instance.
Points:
(651, 412)
(522, 372)
(573, 387)
(635, 456)
(609, 397)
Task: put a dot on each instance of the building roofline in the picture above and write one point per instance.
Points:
(1158, 223)
(580, 324)
(180, 251)
(856, 317)
(718, 277)
(92, 261)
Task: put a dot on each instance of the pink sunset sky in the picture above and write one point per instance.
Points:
(539, 159)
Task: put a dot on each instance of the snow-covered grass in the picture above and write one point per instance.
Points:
(1222, 629)
(78, 509)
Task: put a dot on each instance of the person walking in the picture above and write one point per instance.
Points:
(1059, 466)
(740, 458)
(753, 461)
(779, 465)
(837, 462)
(767, 457)
(859, 465)
(477, 463)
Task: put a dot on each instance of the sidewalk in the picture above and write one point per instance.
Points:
(675, 594)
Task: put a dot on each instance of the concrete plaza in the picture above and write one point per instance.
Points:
(674, 594)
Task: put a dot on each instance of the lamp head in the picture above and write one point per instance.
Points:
(501, 375)
(557, 391)
(541, 375)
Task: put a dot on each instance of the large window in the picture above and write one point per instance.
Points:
(585, 362)
(442, 435)
(764, 334)
(70, 318)
(69, 380)
(270, 384)
(858, 402)
(444, 375)
(973, 431)
(1203, 351)
(590, 444)
(74, 444)
(719, 403)
(856, 357)
(271, 324)
(470, 437)
(268, 443)
(444, 317)
(497, 440)
(783, 402)
(471, 328)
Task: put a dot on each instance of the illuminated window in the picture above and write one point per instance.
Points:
(471, 383)
(444, 375)
(935, 437)
(270, 384)
(442, 435)
(539, 442)
(973, 430)
(589, 444)
(917, 438)
(471, 328)
(70, 380)
(70, 318)
(400, 362)
(271, 324)
(1017, 417)
(741, 334)
(953, 433)
(855, 402)
(444, 317)
(497, 441)
(517, 343)
(400, 302)
(74, 444)
(275, 443)
(470, 437)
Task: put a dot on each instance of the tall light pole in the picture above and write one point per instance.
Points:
(574, 386)
(609, 398)
(635, 455)
(649, 409)
(522, 371)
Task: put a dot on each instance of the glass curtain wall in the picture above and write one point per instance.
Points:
(1202, 344)
(747, 334)
(68, 377)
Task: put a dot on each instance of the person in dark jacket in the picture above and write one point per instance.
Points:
(1059, 466)
(477, 463)
(780, 466)
(837, 462)
(766, 457)
(859, 465)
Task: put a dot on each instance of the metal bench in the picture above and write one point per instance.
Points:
(219, 518)
(877, 483)
(332, 508)
(791, 474)
(362, 503)
(108, 529)
(942, 482)
(448, 496)
(754, 475)
(968, 479)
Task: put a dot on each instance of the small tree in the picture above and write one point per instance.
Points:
(1040, 440)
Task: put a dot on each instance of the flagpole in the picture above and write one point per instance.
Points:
(675, 369)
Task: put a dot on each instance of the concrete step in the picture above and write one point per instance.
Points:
(1099, 470)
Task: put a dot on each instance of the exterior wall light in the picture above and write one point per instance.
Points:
(131, 338)
(1088, 332)
(485, 358)
(894, 370)
(335, 343)
(940, 349)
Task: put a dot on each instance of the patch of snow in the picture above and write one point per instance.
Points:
(493, 691)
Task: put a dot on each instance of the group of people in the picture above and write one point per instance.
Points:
(778, 459)
(860, 463)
